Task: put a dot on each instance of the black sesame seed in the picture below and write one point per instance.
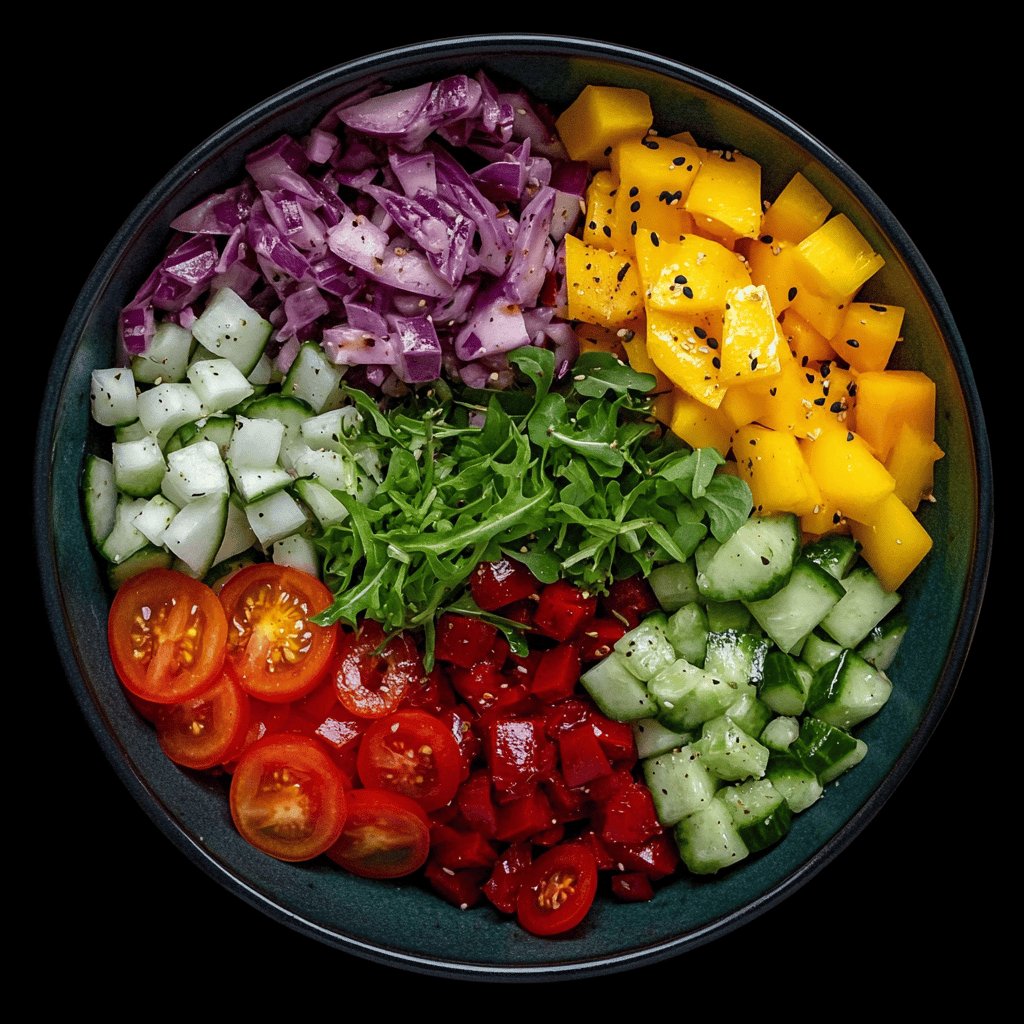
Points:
(836, 407)
(593, 225)
(810, 378)
(632, 228)
(849, 436)
(826, 368)
(699, 331)
(688, 292)
(712, 343)
(634, 206)
(792, 294)
(607, 231)
(773, 392)
(753, 363)
(608, 151)
(679, 161)
(623, 271)
(804, 360)
(836, 517)
(878, 309)
(767, 239)
(655, 240)
(716, 363)
(650, 143)
(634, 191)
(680, 279)
(853, 342)
(819, 401)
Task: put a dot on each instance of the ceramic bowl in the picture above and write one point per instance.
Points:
(406, 925)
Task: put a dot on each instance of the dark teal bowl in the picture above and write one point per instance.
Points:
(406, 925)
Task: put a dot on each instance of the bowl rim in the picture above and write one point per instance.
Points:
(539, 44)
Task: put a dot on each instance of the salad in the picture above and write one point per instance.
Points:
(429, 400)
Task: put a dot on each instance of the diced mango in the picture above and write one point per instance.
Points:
(824, 518)
(868, 334)
(772, 265)
(600, 117)
(634, 344)
(684, 137)
(743, 404)
(699, 425)
(691, 276)
(599, 222)
(807, 344)
(799, 210)
(892, 541)
(678, 346)
(603, 287)
(837, 259)
(773, 466)
(824, 313)
(726, 197)
(848, 474)
(912, 463)
(596, 338)
(888, 399)
(751, 341)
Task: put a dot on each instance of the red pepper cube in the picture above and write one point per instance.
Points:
(603, 789)
(566, 715)
(568, 804)
(632, 887)
(630, 599)
(502, 888)
(433, 694)
(604, 858)
(616, 739)
(519, 755)
(476, 805)
(551, 836)
(629, 816)
(596, 638)
(581, 755)
(656, 858)
(457, 849)
(460, 723)
(524, 817)
(498, 584)
(557, 674)
(463, 641)
(460, 887)
(562, 609)
(479, 685)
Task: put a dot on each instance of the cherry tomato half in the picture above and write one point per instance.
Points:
(386, 835)
(372, 677)
(288, 797)
(274, 651)
(558, 889)
(207, 730)
(413, 754)
(166, 633)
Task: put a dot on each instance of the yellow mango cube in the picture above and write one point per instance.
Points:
(892, 541)
(691, 276)
(600, 117)
(595, 338)
(751, 341)
(599, 218)
(603, 287)
(824, 518)
(634, 345)
(847, 473)
(726, 197)
(888, 399)
(868, 334)
(771, 264)
(699, 425)
(824, 313)
(775, 470)
(837, 259)
(799, 210)
(745, 404)
(912, 464)
(807, 344)
(679, 347)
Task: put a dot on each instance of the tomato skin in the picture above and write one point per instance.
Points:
(166, 633)
(373, 685)
(386, 835)
(207, 730)
(430, 777)
(274, 651)
(288, 797)
(557, 890)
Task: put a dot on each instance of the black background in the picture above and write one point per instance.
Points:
(106, 885)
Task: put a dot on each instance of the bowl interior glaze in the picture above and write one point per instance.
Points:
(362, 916)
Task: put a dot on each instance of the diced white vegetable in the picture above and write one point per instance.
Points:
(275, 517)
(112, 396)
(230, 328)
(255, 482)
(219, 383)
(138, 467)
(255, 443)
(196, 532)
(195, 472)
(238, 535)
(334, 471)
(299, 552)
(154, 519)
(167, 356)
(168, 406)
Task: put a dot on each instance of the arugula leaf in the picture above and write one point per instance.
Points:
(596, 373)
(544, 565)
(728, 503)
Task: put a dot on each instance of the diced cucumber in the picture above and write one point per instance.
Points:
(324, 505)
(616, 691)
(167, 356)
(646, 650)
(218, 383)
(688, 696)
(674, 585)
(864, 605)
(274, 517)
(820, 746)
(124, 539)
(263, 373)
(884, 641)
(168, 406)
(736, 658)
(195, 472)
(818, 650)
(289, 411)
(142, 561)
(334, 471)
(133, 431)
(230, 328)
(154, 519)
(196, 532)
(729, 753)
(100, 497)
(112, 398)
(708, 840)
(750, 714)
(255, 443)
(779, 734)
(725, 615)
(652, 738)
(679, 784)
(139, 467)
(848, 690)
(755, 562)
(331, 429)
(785, 687)
(799, 785)
(313, 378)
(238, 535)
(217, 429)
(687, 631)
(844, 764)
(299, 552)
(759, 811)
(835, 554)
(254, 482)
(789, 615)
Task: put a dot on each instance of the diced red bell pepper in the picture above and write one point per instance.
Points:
(464, 641)
(522, 668)
(616, 739)
(632, 887)
(582, 759)
(602, 790)
(479, 685)
(511, 699)
(566, 715)
(519, 755)
(563, 608)
(521, 612)
(460, 723)
(605, 861)
(596, 638)
(434, 694)
(568, 804)
(629, 816)
(551, 836)
(476, 805)
(502, 888)
(462, 888)
(495, 585)
(454, 848)
(657, 858)
(557, 674)
(525, 817)
(631, 599)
